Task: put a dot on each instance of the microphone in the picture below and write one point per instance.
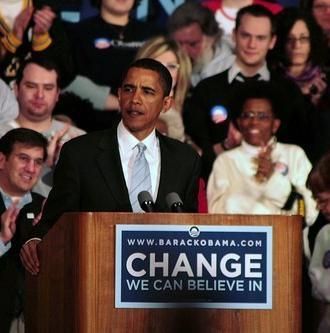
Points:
(146, 202)
(174, 202)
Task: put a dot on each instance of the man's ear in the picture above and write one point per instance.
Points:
(15, 89)
(276, 125)
(233, 36)
(272, 42)
(58, 94)
(238, 124)
(3, 160)
(167, 103)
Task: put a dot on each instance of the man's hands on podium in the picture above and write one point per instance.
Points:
(29, 256)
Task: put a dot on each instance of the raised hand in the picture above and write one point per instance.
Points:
(43, 19)
(8, 223)
(55, 144)
(22, 21)
(265, 165)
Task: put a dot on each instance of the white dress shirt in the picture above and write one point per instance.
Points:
(128, 151)
(234, 70)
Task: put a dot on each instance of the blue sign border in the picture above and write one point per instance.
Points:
(268, 230)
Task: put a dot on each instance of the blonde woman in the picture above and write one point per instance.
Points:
(177, 62)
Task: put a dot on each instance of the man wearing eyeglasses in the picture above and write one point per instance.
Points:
(261, 176)
(207, 115)
(22, 155)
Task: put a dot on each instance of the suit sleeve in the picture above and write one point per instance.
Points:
(64, 196)
(191, 193)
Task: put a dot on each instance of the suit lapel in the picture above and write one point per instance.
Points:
(166, 172)
(110, 167)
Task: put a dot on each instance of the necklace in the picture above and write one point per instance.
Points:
(227, 16)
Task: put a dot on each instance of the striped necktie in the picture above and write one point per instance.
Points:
(141, 180)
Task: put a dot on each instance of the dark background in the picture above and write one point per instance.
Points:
(151, 10)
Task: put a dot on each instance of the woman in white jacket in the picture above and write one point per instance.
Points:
(260, 176)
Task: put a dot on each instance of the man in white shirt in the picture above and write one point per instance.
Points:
(95, 171)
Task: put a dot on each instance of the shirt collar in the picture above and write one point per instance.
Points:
(127, 141)
(255, 150)
(235, 69)
(9, 200)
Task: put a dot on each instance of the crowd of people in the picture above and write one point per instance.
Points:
(228, 105)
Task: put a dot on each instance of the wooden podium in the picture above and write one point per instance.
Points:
(74, 291)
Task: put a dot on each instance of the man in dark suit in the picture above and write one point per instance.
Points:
(22, 154)
(95, 171)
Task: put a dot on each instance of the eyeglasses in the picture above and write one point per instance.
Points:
(261, 116)
(26, 159)
(301, 40)
(322, 7)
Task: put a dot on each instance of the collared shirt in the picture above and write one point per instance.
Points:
(19, 201)
(4, 248)
(234, 70)
(128, 151)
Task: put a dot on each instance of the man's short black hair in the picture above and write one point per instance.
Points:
(24, 136)
(256, 11)
(192, 12)
(255, 89)
(43, 62)
(154, 65)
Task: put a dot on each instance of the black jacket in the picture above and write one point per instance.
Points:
(11, 269)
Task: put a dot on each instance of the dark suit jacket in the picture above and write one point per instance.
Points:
(89, 177)
(11, 270)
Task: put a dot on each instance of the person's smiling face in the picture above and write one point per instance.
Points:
(257, 122)
(21, 169)
(253, 39)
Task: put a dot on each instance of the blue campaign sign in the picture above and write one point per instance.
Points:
(166, 266)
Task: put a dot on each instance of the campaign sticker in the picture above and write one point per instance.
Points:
(326, 260)
(219, 114)
(102, 43)
(282, 168)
